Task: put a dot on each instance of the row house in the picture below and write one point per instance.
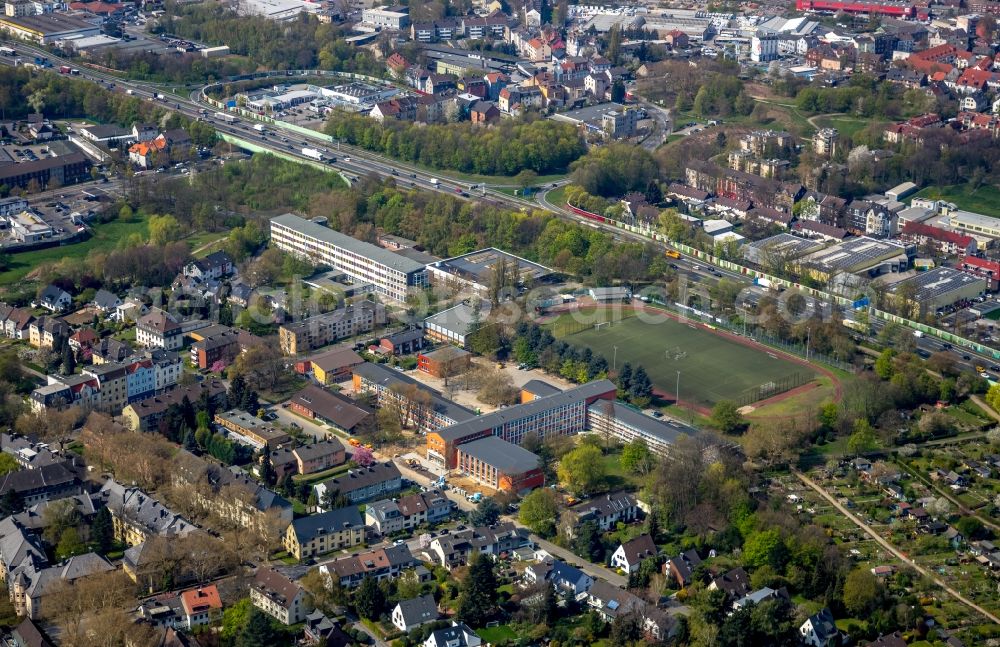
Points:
(453, 550)
(976, 80)
(979, 121)
(432, 32)
(137, 516)
(944, 242)
(379, 564)
(389, 516)
(984, 268)
(400, 108)
(15, 323)
(362, 484)
(48, 332)
(479, 28)
(512, 100)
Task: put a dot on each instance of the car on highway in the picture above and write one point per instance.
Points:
(984, 375)
(458, 189)
(966, 357)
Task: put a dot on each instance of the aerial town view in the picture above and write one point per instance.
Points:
(509, 323)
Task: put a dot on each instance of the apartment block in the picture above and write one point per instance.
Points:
(321, 330)
(389, 274)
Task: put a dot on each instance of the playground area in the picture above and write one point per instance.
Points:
(708, 365)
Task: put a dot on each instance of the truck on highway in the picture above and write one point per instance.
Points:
(259, 127)
(64, 69)
(7, 51)
(918, 334)
(434, 181)
(229, 119)
(673, 253)
(313, 153)
(160, 96)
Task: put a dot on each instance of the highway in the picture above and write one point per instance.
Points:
(356, 162)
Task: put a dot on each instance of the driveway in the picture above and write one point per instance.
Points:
(892, 549)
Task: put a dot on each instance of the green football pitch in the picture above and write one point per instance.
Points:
(712, 367)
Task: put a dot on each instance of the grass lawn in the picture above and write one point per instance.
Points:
(712, 367)
(105, 237)
(984, 200)
(557, 196)
(845, 124)
(617, 477)
(497, 634)
(800, 404)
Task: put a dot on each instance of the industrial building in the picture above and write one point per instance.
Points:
(46, 29)
(390, 275)
(500, 465)
(871, 8)
(937, 288)
(858, 256)
(785, 246)
(559, 414)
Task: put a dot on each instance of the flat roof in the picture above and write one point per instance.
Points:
(667, 431)
(940, 281)
(326, 235)
(501, 417)
(785, 244)
(50, 22)
(589, 114)
(974, 219)
(854, 253)
(505, 457)
(478, 265)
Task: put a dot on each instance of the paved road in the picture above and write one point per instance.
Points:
(892, 549)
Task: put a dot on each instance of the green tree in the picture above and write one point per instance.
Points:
(70, 544)
(587, 543)
(258, 632)
(487, 512)
(102, 531)
(68, 360)
(863, 439)
(884, 365)
(637, 457)
(539, 511)
(970, 527)
(477, 601)
(581, 470)
(163, 230)
(8, 464)
(369, 600)
(235, 618)
(641, 390)
(764, 547)
(861, 592)
(727, 418)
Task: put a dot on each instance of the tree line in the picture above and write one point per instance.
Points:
(542, 146)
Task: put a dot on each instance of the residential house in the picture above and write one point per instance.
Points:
(629, 555)
(322, 533)
(158, 329)
(611, 602)
(378, 563)
(457, 635)
(566, 579)
(106, 302)
(138, 516)
(17, 324)
(759, 596)
(735, 583)
(607, 510)
(53, 299)
(319, 456)
(681, 567)
(415, 612)
(214, 266)
(819, 630)
(393, 515)
(48, 332)
(320, 630)
(454, 549)
(32, 582)
(484, 112)
(45, 483)
(362, 484)
(130, 310)
(201, 606)
(279, 597)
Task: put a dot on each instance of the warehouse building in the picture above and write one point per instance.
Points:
(559, 414)
(785, 246)
(858, 256)
(500, 465)
(937, 288)
(391, 275)
(46, 29)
